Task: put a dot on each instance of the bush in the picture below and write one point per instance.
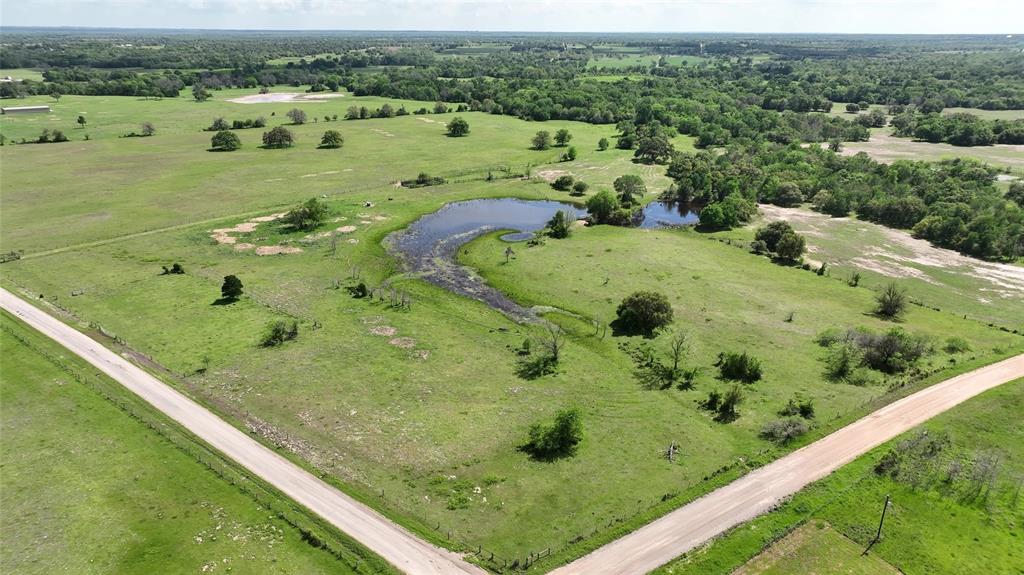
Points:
(783, 430)
(278, 137)
(560, 225)
(231, 289)
(225, 141)
(297, 116)
(579, 189)
(558, 439)
(569, 154)
(423, 180)
(728, 406)
(791, 247)
(956, 345)
(332, 139)
(280, 332)
(739, 367)
(458, 127)
(541, 140)
(306, 216)
(563, 183)
(643, 312)
(891, 302)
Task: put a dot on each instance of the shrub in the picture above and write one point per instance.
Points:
(956, 345)
(306, 216)
(569, 154)
(891, 302)
(458, 127)
(579, 189)
(423, 180)
(297, 116)
(280, 332)
(644, 312)
(563, 183)
(332, 139)
(739, 367)
(783, 430)
(560, 225)
(728, 407)
(231, 289)
(541, 140)
(791, 247)
(278, 137)
(558, 439)
(225, 141)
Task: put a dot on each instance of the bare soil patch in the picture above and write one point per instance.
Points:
(551, 175)
(403, 342)
(384, 330)
(285, 97)
(347, 229)
(275, 250)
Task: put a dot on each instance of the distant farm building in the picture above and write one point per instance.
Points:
(25, 110)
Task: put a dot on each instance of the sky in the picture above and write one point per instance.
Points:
(825, 16)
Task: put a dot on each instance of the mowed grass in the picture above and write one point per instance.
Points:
(55, 195)
(927, 529)
(815, 548)
(21, 74)
(632, 60)
(87, 489)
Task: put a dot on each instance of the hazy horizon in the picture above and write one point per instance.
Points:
(530, 16)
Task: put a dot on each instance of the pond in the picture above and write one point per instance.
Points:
(428, 247)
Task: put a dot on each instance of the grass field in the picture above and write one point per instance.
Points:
(111, 186)
(815, 548)
(987, 291)
(421, 408)
(630, 60)
(22, 74)
(88, 489)
(931, 527)
(885, 147)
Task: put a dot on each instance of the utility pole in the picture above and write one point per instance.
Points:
(881, 522)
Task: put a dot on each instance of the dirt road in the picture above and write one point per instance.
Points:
(659, 542)
(396, 545)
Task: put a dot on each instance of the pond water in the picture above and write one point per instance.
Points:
(428, 247)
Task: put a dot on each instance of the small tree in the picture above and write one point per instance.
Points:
(558, 439)
(541, 140)
(219, 124)
(562, 137)
(199, 92)
(232, 288)
(332, 139)
(352, 113)
(458, 127)
(560, 225)
(739, 366)
(307, 216)
(440, 108)
(602, 144)
(630, 188)
(728, 407)
(791, 247)
(644, 312)
(772, 233)
(569, 154)
(56, 95)
(147, 129)
(891, 302)
(278, 137)
(297, 116)
(81, 121)
(225, 141)
(602, 206)
(563, 183)
(679, 348)
(279, 332)
(579, 188)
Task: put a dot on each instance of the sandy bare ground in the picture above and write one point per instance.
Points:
(690, 526)
(392, 542)
(315, 98)
(903, 256)
(886, 148)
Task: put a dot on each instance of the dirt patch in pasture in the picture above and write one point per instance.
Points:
(347, 229)
(285, 97)
(427, 120)
(551, 175)
(885, 147)
(403, 342)
(243, 246)
(384, 330)
(900, 255)
(382, 133)
(275, 250)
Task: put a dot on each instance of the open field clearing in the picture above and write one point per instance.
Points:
(87, 488)
(632, 60)
(989, 291)
(111, 186)
(815, 548)
(885, 147)
(941, 520)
